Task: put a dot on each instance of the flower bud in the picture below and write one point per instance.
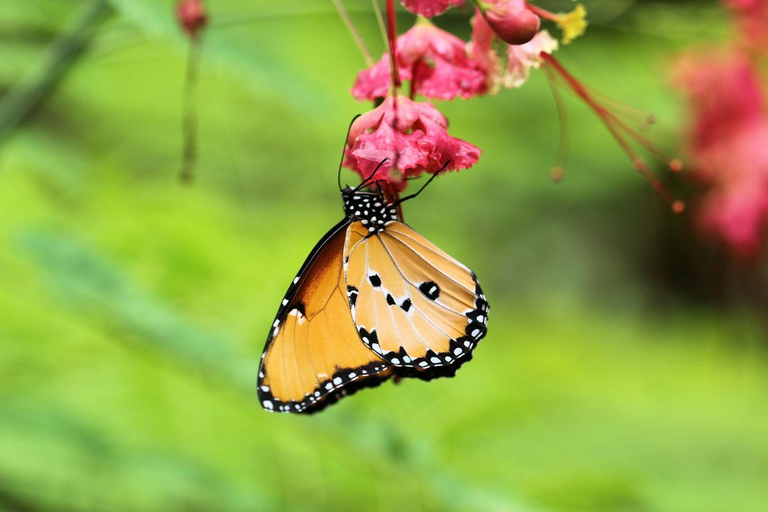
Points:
(191, 16)
(512, 21)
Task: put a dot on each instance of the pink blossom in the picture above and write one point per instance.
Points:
(191, 16)
(752, 19)
(736, 215)
(482, 51)
(511, 20)
(429, 8)
(435, 62)
(727, 141)
(412, 137)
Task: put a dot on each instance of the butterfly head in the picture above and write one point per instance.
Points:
(370, 208)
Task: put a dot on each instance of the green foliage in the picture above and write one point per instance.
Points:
(133, 310)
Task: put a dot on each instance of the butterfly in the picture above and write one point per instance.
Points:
(373, 300)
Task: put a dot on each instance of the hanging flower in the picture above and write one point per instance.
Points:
(435, 62)
(411, 136)
(429, 8)
(191, 16)
(727, 141)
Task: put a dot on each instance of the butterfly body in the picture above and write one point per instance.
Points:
(373, 300)
(370, 209)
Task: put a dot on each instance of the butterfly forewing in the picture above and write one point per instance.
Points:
(413, 304)
(314, 354)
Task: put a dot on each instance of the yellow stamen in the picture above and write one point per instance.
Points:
(573, 24)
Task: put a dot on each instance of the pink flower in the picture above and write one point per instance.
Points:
(482, 51)
(724, 93)
(429, 8)
(435, 62)
(736, 215)
(412, 137)
(511, 20)
(191, 16)
(727, 141)
(752, 18)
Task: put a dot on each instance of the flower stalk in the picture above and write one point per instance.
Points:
(620, 131)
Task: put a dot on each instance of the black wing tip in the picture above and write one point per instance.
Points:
(343, 383)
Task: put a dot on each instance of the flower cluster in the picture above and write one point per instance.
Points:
(433, 60)
(727, 134)
(507, 43)
(411, 136)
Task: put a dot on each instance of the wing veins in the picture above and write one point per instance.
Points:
(407, 291)
(413, 304)
(416, 287)
(429, 262)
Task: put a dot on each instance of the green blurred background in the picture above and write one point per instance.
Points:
(133, 309)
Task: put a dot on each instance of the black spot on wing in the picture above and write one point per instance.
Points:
(352, 295)
(406, 305)
(430, 290)
(433, 365)
(375, 280)
(391, 300)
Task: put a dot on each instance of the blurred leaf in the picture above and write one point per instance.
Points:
(87, 282)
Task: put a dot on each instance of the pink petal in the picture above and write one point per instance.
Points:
(429, 8)
(373, 82)
(445, 81)
(457, 153)
(522, 58)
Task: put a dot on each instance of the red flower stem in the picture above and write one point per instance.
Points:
(615, 126)
(392, 37)
(542, 13)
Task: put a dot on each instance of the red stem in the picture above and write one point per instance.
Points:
(542, 13)
(392, 38)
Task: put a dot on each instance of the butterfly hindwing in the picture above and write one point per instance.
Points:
(313, 354)
(413, 304)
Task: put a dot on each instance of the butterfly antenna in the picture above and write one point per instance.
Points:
(366, 180)
(406, 198)
(344, 149)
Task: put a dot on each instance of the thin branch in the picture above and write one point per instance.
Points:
(380, 21)
(353, 30)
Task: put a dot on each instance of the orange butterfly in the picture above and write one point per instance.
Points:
(373, 299)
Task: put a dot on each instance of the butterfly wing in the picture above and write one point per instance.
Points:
(414, 305)
(313, 354)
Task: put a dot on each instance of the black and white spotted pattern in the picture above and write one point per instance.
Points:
(342, 383)
(432, 365)
(371, 209)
